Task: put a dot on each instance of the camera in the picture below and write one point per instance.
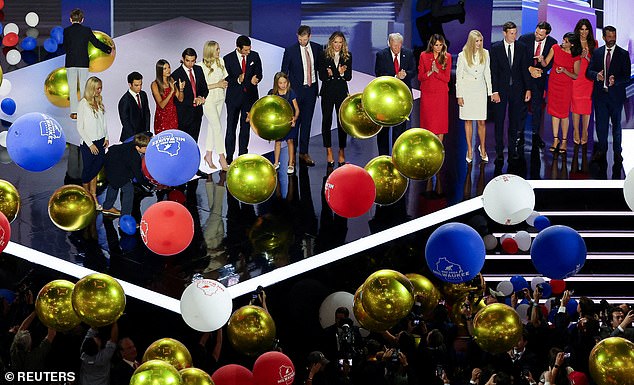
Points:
(416, 321)
(395, 353)
(566, 355)
(540, 288)
(341, 363)
(439, 370)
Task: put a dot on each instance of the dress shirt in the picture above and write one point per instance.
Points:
(305, 64)
(606, 77)
(506, 50)
(336, 60)
(396, 56)
(134, 94)
(187, 73)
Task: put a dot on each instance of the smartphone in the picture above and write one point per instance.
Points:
(416, 322)
(566, 355)
(439, 370)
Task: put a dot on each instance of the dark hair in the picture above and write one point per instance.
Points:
(508, 25)
(442, 56)
(373, 347)
(189, 52)
(243, 41)
(592, 44)
(608, 28)
(132, 76)
(502, 378)
(303, 30)
(141, 140)
(76, 15)
(90, 347)
(573, 39)
(343, 310)
(544, 25)
(159, 75)
(586, 305)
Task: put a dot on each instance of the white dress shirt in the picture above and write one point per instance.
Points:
(302, 51)
(90, 125)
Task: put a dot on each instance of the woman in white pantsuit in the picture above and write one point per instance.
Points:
(473, 87)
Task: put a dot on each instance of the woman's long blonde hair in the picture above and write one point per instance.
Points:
(209, 56)
(90, 94)
(330, 51)
(470, 50)
(442, 56)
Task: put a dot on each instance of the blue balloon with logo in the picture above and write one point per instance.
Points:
(455, 252)
(127, 223)
(28, 43)
(558, 252)
(36, 142)
(57, 33)
(8, 106)
(172, 157)
(519, 283)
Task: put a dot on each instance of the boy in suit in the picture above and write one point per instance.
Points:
(134, 111)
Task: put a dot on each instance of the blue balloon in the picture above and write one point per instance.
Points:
(28, 43)
(571, 306)
(36, 142)
(547, 290)
(127, 223)
(127, 243)
(8, 106)
(57, 33)
(519, 283)
(7, 294)
(172, 157)
(50, 45)
(558, 252)
(541, 222)
(454, 252)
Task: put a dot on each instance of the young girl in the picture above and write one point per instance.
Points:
(282, 87)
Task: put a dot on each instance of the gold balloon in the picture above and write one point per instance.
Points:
(387, 296)
(353, 119)
(56, 88)
(54, 306)
(456, 310)
(71, 208)
(170, 351)
(102, 180)
(195, 376)
(251, 178)
(156, 372)
(99, 60)
(9, 200)
(418, 153)
(387, 101)
(389, 182)
(251, 330)
(612, 362)
(364, 319)
(497, 328)
(270, 117)
(424, 292)
(456, 291)
(1, 74)
(98, 299)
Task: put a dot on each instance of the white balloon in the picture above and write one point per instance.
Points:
(549, 304)
(13, 57)
(331, 303)
(32, 19)
(505, 287)
(32, 32)
(490, 241)
(5, 87)
(11, 27)
(531, 218)
(508, 199)
(523, 239)
(522, 311)
(3, 138)
(537, 281)
(628, 189)
(206, 305)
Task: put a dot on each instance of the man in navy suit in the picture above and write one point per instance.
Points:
(537, 44)
(134, 111)
(300, 64)
(610, 70)
(511, 85)
(245, 72)
(398, 62)
(195, 90)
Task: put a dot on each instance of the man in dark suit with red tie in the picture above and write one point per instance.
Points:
(245, 72)
(398, 62)
(190, 110)
(300, 64)
(134, 111)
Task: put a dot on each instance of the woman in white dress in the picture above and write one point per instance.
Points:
(473, 87)
(215, 73)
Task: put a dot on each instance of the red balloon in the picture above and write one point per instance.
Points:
(350, 191)
(232, 374)
(147, 173)
(510, 246)
(5, 231)
(167, 228)
(10, 39)
(273, 368)
(2, 5)
(558, 286)
(177, 196)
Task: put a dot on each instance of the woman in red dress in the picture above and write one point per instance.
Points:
(582, 86)
(164, 89)
(434, 71)
(565, 70)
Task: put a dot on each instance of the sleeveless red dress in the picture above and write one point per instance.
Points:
(560, 84)
(165, 118)
(582, 91)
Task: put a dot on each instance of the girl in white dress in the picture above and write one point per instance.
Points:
(473, 86)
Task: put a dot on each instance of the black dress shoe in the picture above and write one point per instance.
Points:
(331, 164)
(341, 163)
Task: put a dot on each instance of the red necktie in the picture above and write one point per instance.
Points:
(309, 67)
(608, 59)
(538, 51)
(192, 82)
(397, 68)
(138, 100)
(244, 64)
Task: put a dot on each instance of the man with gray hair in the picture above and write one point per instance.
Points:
(397, 61)
(23, 356)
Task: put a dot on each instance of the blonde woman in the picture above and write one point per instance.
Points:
(215, 73)
(473, 86)
(91, 125)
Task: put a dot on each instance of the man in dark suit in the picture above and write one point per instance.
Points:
(537, 44)
(125, 363)
(398, 62)
(76, 38)
(511, 84)
(610, 70)
(300, 64)
(134, 110)
(245, 72)
(195, 90)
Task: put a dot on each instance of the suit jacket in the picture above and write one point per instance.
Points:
(134, 120)
(619, 67)
(123, 163)
(529, 40)
(185, 109)
(293, 66)
(76, 38)
(501, 73)
(120, 373)
(336, 85)
(246, 92)
(384, 64)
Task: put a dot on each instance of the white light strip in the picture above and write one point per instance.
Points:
(587, 234)
(69, 268)
(587, 213)
(576, 278)
(607, 257)
(576, 184)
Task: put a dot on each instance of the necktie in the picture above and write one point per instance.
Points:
(192, 82)
(538, 51)
(244, 64)
(397, 68)
(608, 59)
(309, 67)
(135, 364)
(510, 56)
(138, 100)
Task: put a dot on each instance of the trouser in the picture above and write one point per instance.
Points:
(306, 99)
(127, 197)
(73, 74)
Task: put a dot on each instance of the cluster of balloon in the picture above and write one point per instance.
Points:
(270, 117)
(353, 119)
(387, 101)
(455, 253)
(273, 368)
(172, 157)
(9, 200)
(508, 199)
(5, 232)
(418, 154)
(628, 189)
(156, 372)
(206, 305)
(71, 208)
(251, 330)
(455, 292)
(54, 306)
(171, 351)
(364, 318)
(98, 299)
(56, 88)
(232, 374)
(331, 303)
(566, 244)
(99, 60)
(497, 328)
(390, 184)
(612, 362)
(251, 178)
(424, 292)
(167, 228)
(350, 191)
(456, 313)
(36, 142)
(195, 376)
